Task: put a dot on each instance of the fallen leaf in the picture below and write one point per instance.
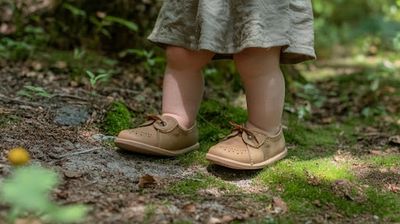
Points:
(189, 208)
(214, 220)
(395, 140)
(61, 65)
(279, 205)
(317, 203)
(348, 190)
(312, 179)
(393, 188)
(101, 15)
(227, 218)
(27, 221)
(72, 174)
(377, 152)
(36, 65)
(146, 180)
(392, 150)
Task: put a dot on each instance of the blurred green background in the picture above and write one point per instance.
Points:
(342, 27)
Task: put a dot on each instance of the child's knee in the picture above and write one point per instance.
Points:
(250, 60)
(183, 59)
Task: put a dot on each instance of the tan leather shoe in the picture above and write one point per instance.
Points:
(248, 149)
(160, 135)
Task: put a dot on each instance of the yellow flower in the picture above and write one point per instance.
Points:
(18, 156)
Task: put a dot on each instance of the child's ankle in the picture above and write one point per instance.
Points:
(270, 131)
(184, 123)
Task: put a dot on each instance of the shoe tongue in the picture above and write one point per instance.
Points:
(254, 129)
(169, 123)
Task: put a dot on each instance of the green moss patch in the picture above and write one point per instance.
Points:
(384, 161)
(303, 182)
(8, 119)
(117, 118)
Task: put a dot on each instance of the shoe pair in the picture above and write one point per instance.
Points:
(245, 148)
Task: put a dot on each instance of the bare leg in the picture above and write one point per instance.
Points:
(264, 86)
(183, 83)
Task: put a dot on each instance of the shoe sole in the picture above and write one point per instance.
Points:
(142, 148)
(244, 166)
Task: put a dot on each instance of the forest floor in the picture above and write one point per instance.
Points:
(343, 164)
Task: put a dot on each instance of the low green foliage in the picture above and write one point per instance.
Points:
(307, 181)
(118, 118)
(384, 161)
(8, 119)
(34, 91)
(27, 190)
(95, 80)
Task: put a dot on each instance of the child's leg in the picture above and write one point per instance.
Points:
(183, 83)
(264, 86)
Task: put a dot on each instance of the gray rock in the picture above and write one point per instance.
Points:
(71, 115)
(103, 138)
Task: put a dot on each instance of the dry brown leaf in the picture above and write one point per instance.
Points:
(312, 179)
(392, 150)
(348, 190)
(61, 65)
(279, 205)
(214, 220)
(227, 218)
(189, 208)
(27, 221)
(393, 188)
(72, 174)
(101, 15)
(317, 203)
(146, 180)
(377, 152)
(395, 140)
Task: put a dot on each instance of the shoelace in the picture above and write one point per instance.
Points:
(241, 129)
(155, 118)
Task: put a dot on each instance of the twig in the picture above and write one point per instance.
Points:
(91, 183)
(77, 153)
(8, 100)
(121, 90)
(69, 96)
(378, 134)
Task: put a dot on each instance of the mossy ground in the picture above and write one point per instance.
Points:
(307, 178)
(320, 177)
(117, 118)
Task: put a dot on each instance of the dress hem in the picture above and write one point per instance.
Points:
(291, 54)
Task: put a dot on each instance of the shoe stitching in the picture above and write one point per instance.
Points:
(250, 158)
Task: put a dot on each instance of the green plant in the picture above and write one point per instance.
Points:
(101, 20)
(307, 96)
(27, 191)
(32, 91)
(396, 42)
(79, 53)
(11, 49)
(95, 79)
(150, 61)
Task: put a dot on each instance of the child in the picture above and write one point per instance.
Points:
(258, 35)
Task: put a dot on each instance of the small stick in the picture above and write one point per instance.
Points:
(69, 96)
(78, 153)
(8, 99)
